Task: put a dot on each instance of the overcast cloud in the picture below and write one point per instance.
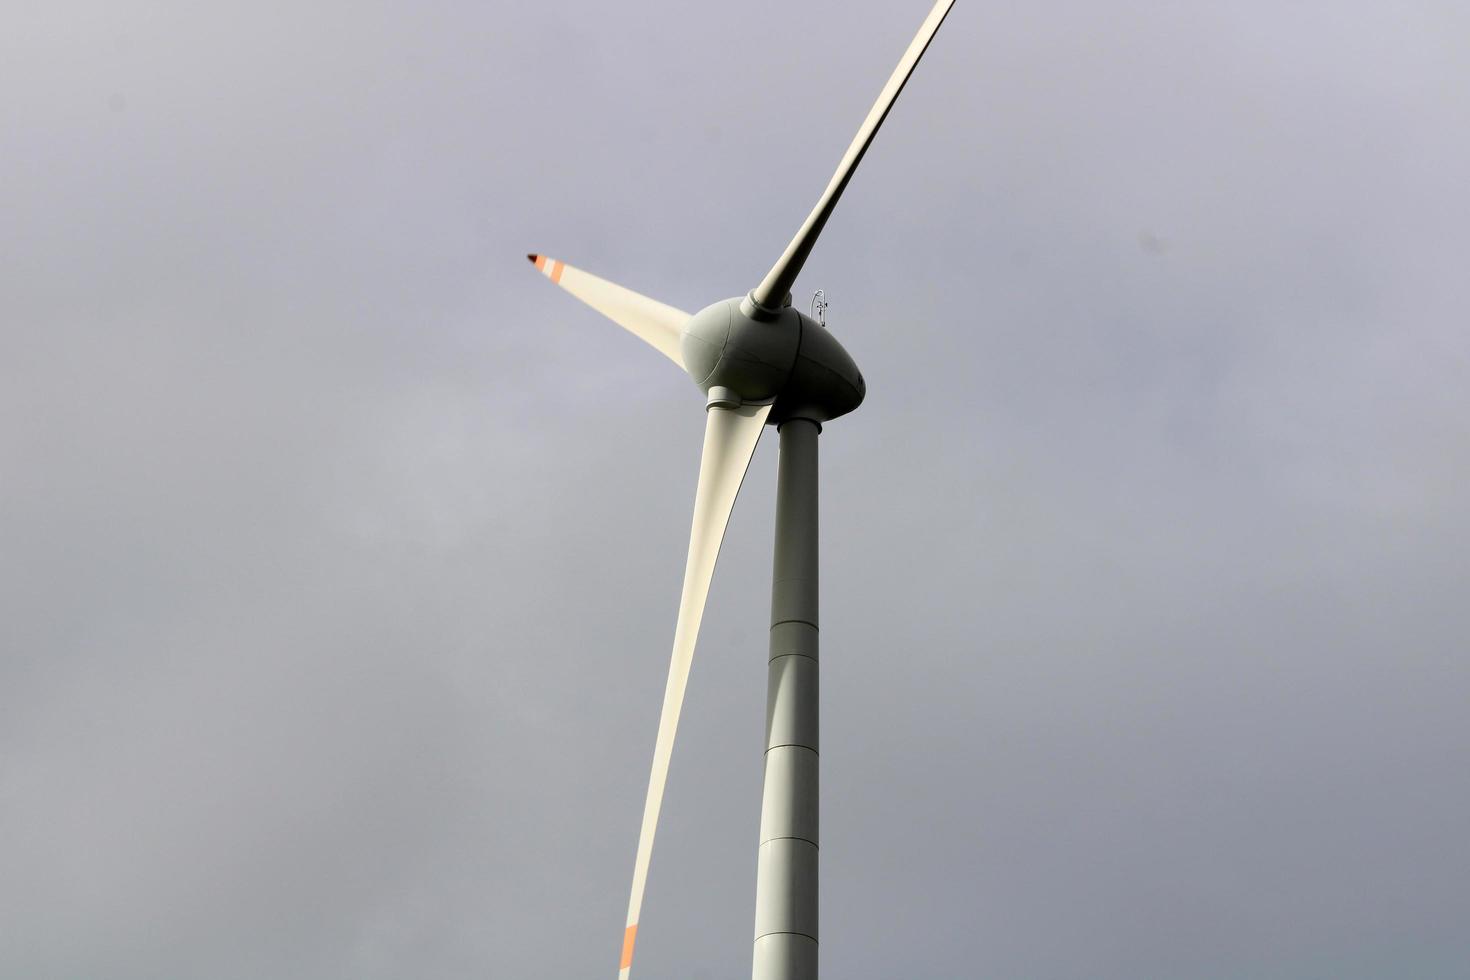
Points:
(339, 553)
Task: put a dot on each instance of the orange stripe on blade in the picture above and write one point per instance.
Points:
(628, 937)
(556, 269)
(540, 261)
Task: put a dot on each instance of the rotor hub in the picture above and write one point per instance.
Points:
(785, 357)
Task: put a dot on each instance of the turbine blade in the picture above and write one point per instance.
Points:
(657, 323)
(730, 438)
(773, 289)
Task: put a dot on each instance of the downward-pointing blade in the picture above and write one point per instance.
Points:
(657, 323)
(779, 280)
(730, 437)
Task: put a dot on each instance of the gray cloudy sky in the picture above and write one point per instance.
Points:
(339, 552)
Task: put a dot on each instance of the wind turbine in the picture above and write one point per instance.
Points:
(759, 362)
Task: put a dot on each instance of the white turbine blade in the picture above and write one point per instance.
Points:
(657, 323)
(730, 437)
(778, 281)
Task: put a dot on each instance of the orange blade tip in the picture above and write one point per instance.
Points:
(629, 935)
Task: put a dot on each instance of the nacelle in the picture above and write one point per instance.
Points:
(789, 357)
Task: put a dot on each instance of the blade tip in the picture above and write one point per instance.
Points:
(630, 935)
(532, 257)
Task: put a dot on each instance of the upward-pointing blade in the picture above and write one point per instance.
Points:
(730, 438)
(779, 280)
(657, 323)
